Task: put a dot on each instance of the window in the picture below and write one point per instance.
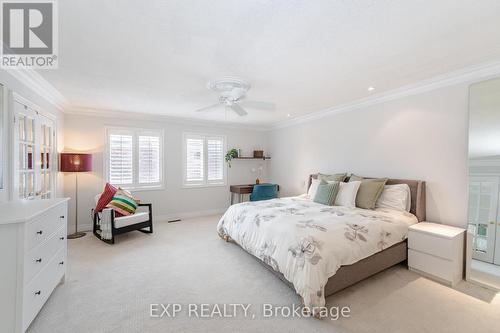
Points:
(204, 160)
(134, 158)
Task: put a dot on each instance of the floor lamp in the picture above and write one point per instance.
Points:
(74, 162)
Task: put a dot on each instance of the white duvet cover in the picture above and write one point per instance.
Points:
(308, 242)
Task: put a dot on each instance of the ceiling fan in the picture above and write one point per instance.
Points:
(231, 92)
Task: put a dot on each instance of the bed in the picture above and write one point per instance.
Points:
(317, 249)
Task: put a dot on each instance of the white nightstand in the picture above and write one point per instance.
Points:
(436, 251)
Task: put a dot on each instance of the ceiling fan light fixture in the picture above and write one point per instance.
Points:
(232, 91)
(227, 84)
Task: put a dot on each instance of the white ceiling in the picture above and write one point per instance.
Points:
(157, 56)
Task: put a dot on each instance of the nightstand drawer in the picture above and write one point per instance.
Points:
(437, 246)
(427, 263)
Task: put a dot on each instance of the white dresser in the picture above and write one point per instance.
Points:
(32, 256)
(437, 251)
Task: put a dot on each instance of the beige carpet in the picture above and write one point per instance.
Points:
(110, 289)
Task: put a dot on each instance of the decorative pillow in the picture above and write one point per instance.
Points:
(347, 194)
(355, 178)
(123, 203)
(369, 191)
(106, 196)
(339, 177)
(326, 193)
(395, 197)
(313, 188)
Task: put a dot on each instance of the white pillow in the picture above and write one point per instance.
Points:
(395, 197)
(347, 194)
(313, 188)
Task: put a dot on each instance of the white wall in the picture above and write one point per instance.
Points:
(87, 134)
(418, 137)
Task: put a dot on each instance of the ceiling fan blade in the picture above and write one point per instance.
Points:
(259, 105)
(238, 109)
(206, 108)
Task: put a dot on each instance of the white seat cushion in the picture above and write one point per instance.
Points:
(124, 221)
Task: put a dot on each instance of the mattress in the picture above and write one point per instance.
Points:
(308, 242)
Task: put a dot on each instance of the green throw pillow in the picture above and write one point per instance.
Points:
(327, 192)
(369, 191)
(338, 177)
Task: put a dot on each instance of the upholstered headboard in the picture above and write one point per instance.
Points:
(417, 190)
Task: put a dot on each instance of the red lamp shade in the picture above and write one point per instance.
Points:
(73, 162)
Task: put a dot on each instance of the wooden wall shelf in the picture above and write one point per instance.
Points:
(253, 158)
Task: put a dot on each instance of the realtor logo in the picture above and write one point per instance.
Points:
(29, 34)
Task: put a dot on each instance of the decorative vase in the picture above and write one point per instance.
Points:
(257, 181)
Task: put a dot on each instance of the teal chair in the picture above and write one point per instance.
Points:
(264, 192)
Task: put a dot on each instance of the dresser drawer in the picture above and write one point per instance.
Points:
(40, 288)
(439, 267)
(36, 259)
(44, 226)
(437, 246)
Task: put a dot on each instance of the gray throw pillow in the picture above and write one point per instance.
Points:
(327, 192)
(338, 177)
(353, 178)
(369, 191)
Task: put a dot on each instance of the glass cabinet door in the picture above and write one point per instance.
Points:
(483, 206)
(25, 145)
(47, 165)
(34, 147)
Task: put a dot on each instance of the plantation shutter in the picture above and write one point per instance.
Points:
(149, 159)
(121, 165)
(194, 160)
(215, 156)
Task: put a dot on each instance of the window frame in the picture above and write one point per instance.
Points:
(135, 132)
(205, 182)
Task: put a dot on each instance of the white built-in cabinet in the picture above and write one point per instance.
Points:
(34, 152)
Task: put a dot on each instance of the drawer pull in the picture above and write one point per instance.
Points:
(39, 260)
(38, 292)
(61, 217)
(61, 238)
(39, 232)
(61, 263)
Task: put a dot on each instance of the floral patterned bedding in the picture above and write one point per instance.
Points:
(308, 242)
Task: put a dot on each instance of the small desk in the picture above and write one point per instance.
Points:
(242, 190)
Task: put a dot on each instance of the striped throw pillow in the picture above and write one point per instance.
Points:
(123, 202)
(327, 192)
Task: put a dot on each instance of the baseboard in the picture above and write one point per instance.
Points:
(167, 217)
(188, 215)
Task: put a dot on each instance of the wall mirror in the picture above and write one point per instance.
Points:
(484, 180)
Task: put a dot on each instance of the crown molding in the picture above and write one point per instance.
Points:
(472, 74)
(469, 75)
(34, 81)
(108, 113)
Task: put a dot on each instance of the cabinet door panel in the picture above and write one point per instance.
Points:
(483, 206)
(34, 149)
